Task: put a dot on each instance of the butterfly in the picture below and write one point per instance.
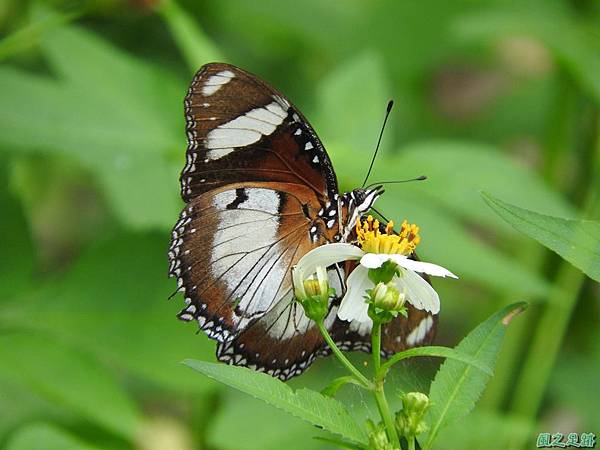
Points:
(260, 192)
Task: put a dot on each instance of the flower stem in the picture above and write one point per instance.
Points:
(378, 391)
(340, 356)
(386, 415)
(376, 347)
(411, 442)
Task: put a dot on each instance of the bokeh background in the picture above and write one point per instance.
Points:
(493, 96)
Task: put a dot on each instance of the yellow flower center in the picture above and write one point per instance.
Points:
(372, 240)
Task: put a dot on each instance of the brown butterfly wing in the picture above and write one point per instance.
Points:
(234, 248)
(240, 129)
(260, 192)
(282, 343)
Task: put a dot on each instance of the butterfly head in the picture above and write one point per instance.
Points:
(358, 202)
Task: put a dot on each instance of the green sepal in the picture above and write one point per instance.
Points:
(385, 273)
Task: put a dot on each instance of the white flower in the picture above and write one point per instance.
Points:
(353, 307)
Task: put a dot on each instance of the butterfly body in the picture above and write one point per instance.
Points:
(260, 192)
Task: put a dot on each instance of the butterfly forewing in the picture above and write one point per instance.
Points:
(240, 129)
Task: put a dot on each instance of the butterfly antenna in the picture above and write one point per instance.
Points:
(387, 114)
(420, 178)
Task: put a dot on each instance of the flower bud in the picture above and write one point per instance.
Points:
(409, 421)
(387, 297)
(415, 402)
(313, 294)
(378, 439)
(385, 302)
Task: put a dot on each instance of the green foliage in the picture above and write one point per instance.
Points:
(72, 380)
(483, 429)
(45, 436)
(277, 428)
(351, 111)
(572, 44)
(440, 352)
(100, 308)
(196, 47)
(577, 241)
(457, 172)
(325, 412)
(457, 386)
(488, 97)
(119, 122)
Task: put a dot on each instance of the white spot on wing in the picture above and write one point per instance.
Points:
(248, 231)
(216, 82)
(246, 129)
(218, 153)
(276, 108)
(420, 331)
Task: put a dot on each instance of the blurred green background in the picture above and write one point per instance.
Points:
(490, 95)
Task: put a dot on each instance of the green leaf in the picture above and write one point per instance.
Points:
(577, 241)
(331, 389)
(441, 352)
(45, 436)
(306, 404)
(71, 379)
(456, 386)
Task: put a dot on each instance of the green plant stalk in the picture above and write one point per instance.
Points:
(378, 390)
(364, 382)
(376, 348)
(411, 442)
(531, 254)
(557, 141)
(555, 319)
(196, 48)
(547, 339)
(385, 413)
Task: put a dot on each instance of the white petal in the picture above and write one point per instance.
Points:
(374, 260)
(353, 306)
(419, 292)
(326, 255)
(422, 267)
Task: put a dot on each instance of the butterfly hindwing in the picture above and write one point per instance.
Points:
(232, 251)
(284, 342)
